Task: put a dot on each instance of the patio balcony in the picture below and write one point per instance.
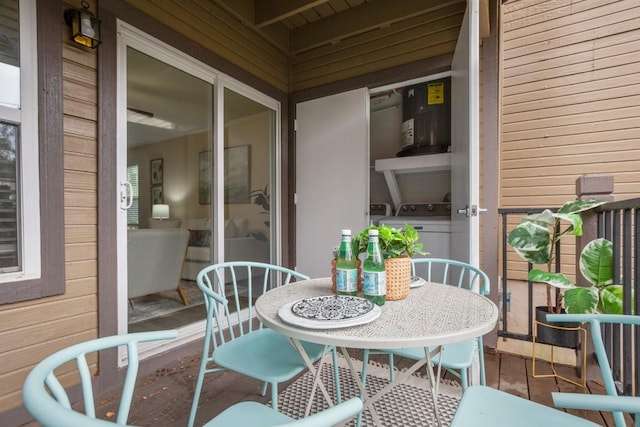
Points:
(163, 397)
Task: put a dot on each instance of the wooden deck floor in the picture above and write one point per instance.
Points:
(164, 397)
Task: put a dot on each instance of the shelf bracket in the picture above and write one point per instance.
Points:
(394, 189)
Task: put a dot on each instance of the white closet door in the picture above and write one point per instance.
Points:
(332, 175)
(465, 178)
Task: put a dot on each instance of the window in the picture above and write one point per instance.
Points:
(133, 216)
(31, 163)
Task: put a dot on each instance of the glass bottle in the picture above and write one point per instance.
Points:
(375, 279)
(346, 268)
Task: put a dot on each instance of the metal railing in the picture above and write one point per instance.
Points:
(618, 222)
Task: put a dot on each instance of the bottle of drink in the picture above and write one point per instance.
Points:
(346, 269)
(375, 279)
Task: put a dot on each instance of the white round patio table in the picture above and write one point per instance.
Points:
(432, 315)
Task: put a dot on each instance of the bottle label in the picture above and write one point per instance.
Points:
(374, 283)
(346, 280)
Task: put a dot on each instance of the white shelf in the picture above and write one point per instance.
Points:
(410, 164)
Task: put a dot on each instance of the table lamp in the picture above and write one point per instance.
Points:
(160, 212)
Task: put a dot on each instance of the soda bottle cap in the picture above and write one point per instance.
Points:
(346, 232)
(373, 232)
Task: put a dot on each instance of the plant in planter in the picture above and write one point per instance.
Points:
(535, 239)
(397, 246)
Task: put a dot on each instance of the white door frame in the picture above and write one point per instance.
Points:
(129, 36)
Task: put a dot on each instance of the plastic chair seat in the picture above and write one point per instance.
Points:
(265, 355)
(248, 414)
(255, 414)
(485, 406)
(455, 356)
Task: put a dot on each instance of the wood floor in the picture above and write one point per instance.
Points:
(164, 398)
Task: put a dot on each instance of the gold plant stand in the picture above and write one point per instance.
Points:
(555, 374)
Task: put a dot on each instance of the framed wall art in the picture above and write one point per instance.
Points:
(157, 171)
(157, 195)
(204, 178)
(237, 174)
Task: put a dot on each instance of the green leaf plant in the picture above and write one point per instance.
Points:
(393, 242)
(534, 240)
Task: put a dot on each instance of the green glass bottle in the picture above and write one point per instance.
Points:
(375, 279)
(346, 268)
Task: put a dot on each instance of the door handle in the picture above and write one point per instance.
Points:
(128, 189)
(473, 211)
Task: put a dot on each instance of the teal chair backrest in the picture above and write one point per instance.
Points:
(451, 272)
(230, 290)
(568, 400)
(47, 400)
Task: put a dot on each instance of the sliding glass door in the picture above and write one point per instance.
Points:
(197, 166)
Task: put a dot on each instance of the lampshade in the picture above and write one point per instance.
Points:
(85, 27)
(160, 212)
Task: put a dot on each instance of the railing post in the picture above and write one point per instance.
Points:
(591, 186)
(598, 187)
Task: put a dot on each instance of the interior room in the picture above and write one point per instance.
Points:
(169, 166)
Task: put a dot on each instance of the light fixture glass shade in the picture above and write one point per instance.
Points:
(85, 27)
(160, 212)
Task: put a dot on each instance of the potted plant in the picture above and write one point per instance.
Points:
(398, 246)
(535, 240)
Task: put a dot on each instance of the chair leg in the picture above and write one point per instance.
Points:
(483, 374)
(365, 363)
(198, 389)
(391, 367)
(263, 391)
(464, 379)
(274, 396)
(336, 375)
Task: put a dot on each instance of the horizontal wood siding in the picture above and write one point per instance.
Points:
(210, 26)
(31, 330)
(570, 98)
(425, 36)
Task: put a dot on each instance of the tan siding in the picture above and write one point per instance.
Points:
(208, 25)
(422, 37)
(72, 316)
(570, 96)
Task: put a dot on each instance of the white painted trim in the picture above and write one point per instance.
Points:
(28, 184)
(129, 36)
(406, 83)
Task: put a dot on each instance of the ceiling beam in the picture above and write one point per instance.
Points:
(358, 20)
(268, 12)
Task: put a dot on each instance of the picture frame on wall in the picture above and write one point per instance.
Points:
(156, 171)
(204, 180)
(237, 174)
(157, 195)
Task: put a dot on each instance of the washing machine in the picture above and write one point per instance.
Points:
(432, 221)
(378, 211)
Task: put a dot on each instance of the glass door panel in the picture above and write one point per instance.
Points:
(169, 139)
(249, 135)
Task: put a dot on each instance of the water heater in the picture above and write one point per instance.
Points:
(426, 118)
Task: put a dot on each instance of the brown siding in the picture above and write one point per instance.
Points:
(33, 329)
(570, 98)
(425, 36)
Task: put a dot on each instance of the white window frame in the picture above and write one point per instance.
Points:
(28, 173)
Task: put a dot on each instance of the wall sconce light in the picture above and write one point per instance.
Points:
(160, 212)
(85, 27)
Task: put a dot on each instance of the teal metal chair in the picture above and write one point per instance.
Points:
(258, 415)
(230, 290)
(456, 358)
(46, 399)
(485, 406)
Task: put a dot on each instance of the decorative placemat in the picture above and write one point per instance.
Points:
(332, 307)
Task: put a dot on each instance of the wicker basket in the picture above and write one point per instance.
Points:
(398, 272)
